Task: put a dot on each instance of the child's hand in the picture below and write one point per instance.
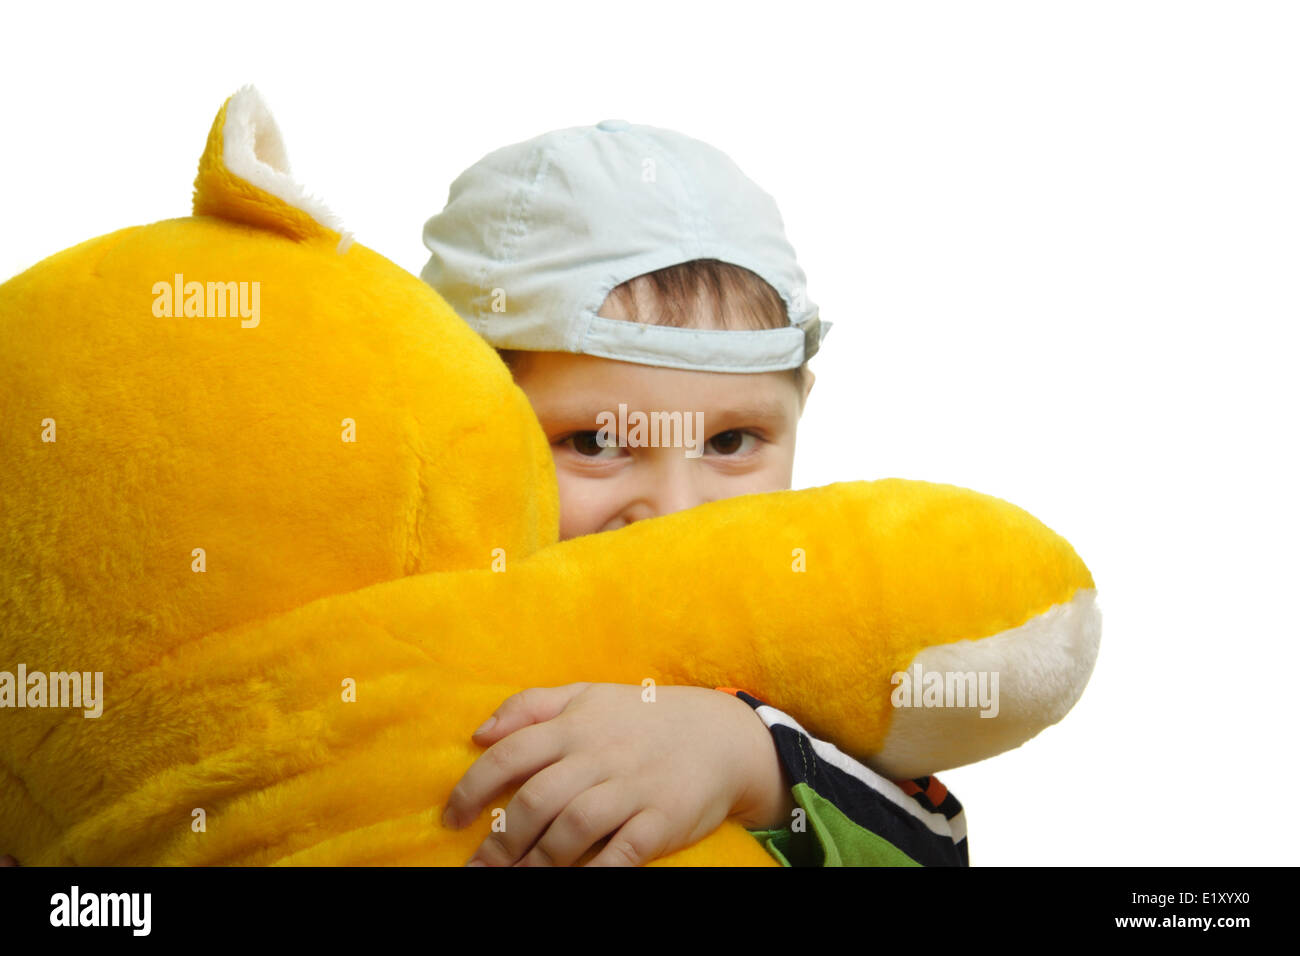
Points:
(599, 760)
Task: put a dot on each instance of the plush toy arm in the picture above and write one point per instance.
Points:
(838, 604)
(843, 604)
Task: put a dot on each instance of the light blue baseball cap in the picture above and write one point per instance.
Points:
(535, 235)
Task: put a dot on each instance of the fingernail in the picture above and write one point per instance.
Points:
(476, 863)
(449, 819)
(487, 725)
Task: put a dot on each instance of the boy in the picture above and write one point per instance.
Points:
(628, 265)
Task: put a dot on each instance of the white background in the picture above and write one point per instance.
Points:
(1058, 240)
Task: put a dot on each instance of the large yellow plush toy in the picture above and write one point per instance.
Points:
(291, 518)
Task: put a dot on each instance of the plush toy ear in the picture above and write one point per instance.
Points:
(244, 175)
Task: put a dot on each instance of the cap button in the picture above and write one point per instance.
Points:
(610, 125)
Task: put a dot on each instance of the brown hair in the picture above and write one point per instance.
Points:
(702, 293)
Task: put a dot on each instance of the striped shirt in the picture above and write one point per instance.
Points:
(848, 815)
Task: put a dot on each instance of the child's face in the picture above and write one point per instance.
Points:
(746, 444)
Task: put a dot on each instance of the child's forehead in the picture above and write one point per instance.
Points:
(566, 384)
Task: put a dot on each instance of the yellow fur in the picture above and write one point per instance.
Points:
(371, 561)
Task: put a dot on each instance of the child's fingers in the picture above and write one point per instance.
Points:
(531, 706)
(506, 762)
(641, 839)
(532, 809)
(588, 819)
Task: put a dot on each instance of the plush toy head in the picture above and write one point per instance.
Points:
(297, 515)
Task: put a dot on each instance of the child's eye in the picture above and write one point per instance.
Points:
(733, 442)
(588, 445)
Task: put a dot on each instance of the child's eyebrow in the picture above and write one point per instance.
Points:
(572, 411)
(757, 410)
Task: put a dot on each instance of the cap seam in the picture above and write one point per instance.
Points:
(691, 214)
(518, 217)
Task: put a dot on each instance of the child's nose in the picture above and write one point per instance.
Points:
(673, 487)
